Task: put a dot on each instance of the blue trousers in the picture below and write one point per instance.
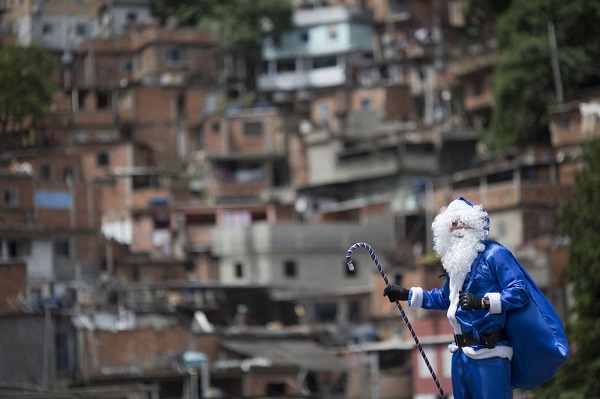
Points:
(480, 378)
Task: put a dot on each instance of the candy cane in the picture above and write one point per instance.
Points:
(374, 257)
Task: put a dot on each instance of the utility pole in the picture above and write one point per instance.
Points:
(558, 87)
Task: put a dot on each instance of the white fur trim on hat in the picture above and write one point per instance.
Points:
(458, 205)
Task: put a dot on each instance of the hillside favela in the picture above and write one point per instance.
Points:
(184, 182)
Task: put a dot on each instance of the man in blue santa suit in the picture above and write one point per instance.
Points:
(483, 282)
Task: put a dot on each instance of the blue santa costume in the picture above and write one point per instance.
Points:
(483, 346)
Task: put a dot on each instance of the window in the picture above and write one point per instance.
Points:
(324, 62)
(126, 65)
(131, 17)
(366, 103)
(304, 36)
(11, 196)
(253, 128)
(80, 30)
(285, 66)
(175, 55)
(102, 100)
(264, 67)
(135, 273)
(69, 174)
(47, 29)
(18, 249)
(45, 171)
(325, 312)
(275, 389)
(180, 105)
(62, 248)
(478, 87)
(239, 270)
(289, 267)
(277, 40)
(102, 159)
(216, 127)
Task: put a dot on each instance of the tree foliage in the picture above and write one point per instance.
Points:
(26, 84)
(580, 220)
(523, 82)
(239, 23)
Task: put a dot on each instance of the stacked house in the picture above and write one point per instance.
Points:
(160, 240)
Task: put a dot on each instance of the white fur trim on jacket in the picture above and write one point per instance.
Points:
(495, 303)
(498, 351)
(416, 300)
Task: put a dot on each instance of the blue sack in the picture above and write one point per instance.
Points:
(538, 338)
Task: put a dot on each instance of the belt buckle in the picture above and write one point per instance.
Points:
(488, 340)
(461, 340)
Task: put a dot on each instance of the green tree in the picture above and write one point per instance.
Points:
(580, 220)
(26, 85)
(240, 24)
(523, 82)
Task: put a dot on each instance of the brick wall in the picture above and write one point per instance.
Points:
(147, 347)
(13, 279)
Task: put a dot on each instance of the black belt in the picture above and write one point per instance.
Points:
(489, 339)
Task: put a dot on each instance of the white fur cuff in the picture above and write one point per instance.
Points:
(495, 304)
(416, 300)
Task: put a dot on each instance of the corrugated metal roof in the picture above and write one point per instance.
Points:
(301, 353)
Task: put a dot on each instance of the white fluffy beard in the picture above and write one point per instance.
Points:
(460, 252)
(458, 249)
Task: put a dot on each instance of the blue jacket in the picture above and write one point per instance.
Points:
(534, 329)
(493, 271)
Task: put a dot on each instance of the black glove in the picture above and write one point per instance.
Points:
(396, 293)
(469, 301)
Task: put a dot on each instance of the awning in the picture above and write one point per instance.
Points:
(303, 354)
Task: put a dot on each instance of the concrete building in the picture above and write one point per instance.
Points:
(320, 52)
(179, 233)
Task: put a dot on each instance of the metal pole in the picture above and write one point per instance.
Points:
(558, 86)
(193, 383)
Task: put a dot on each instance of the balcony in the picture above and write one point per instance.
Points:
(301, 80)
(283, 237)
(509, 194)
(93, 118)
(240, 189)
(469, 64)
(329, 15)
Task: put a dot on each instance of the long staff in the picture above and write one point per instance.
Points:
(374, 257)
